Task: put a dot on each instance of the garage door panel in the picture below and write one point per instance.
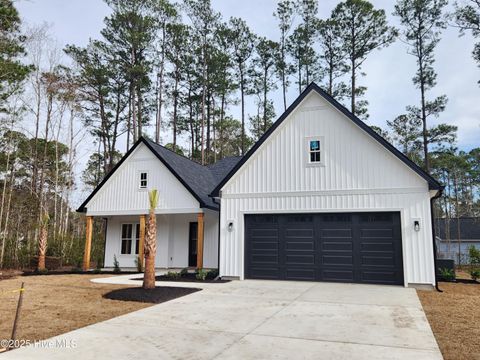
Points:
(378, 246)
(264, 233)
(336, 233)
(338, 245)
(299, 233)
(382, 261)
(346, 247)
(338, 275)
(337, 260)
(273, 273)
(300, 259)
(300, 274)
(376, 233)
(380, 277)
(265, 245)
(264, 259)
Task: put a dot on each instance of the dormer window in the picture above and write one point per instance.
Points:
(143, 180)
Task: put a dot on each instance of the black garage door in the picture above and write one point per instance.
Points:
(345, 247)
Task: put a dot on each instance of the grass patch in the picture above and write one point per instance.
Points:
(454, 317)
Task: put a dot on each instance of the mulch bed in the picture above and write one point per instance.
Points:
(155, 296)
(72, 272)
(190, 277)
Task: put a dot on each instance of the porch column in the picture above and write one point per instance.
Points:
(88, 243)
(141, 244)
(200, 241)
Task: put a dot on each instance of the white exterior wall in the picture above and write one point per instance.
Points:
(358, 174)
(172, 240)
(121, 195)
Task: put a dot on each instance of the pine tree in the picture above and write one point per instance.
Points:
(263, 80)
(285, 14)
(243, 41)
(422, 22)
(12, 70)
(333, 58)
(467, 17)
(362, 29)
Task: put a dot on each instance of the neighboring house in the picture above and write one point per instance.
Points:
(320, 196)
(447, 246)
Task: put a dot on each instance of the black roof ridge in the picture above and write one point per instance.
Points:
(164, 147)
(433, 183)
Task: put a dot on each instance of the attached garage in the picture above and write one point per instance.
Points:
(343, 247)
(323, 197)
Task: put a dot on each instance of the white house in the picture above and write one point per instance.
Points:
(320, 197)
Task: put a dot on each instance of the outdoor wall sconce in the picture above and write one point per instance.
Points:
(416, 225)
(230, 226)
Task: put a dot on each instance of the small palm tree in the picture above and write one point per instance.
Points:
(42, 242)
(151, 242)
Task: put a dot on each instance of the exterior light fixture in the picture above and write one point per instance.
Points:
(416, 225)
(230, 226)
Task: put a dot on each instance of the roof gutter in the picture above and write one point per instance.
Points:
(432, 199)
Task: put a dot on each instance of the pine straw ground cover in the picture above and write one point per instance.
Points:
(454, 316)
(56, 304)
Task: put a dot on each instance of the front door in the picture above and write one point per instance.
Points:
(192, 244)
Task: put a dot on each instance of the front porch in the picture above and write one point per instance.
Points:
(184, 240)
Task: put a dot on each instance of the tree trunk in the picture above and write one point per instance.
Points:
(150, 251)
(42, 248)
(242, 91)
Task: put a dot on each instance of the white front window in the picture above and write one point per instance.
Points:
(143, 180)
(130, 232)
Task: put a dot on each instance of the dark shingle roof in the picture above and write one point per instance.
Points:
(199, 180)
(221, 168)
(469, 228)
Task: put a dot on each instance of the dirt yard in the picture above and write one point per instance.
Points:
(454, 316)
(55, 304)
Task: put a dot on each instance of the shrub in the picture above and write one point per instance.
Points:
(76, 269)
(447, 274)
(116, 265)
(184, 272)
(138, 265)
(42, 271)
(475, 274)
(173, 275)
(474, 255)
(212, 274)
(201, 274)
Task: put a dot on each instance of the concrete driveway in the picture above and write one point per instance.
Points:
(259, 320)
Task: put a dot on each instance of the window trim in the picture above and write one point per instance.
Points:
(133, 239)
(139, 177)
(308, 152)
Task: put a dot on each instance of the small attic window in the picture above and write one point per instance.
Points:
(143, 180)
(315, 151)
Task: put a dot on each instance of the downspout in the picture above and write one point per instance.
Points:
(218, 247)
(439, 193)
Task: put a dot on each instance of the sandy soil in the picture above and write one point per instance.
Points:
(56, 304)
(454, 316)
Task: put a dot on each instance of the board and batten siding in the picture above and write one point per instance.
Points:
(121, 194)
(358, 174)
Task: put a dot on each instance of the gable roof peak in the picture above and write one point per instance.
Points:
(313, 87)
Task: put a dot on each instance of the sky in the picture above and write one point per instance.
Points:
(388, 71)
